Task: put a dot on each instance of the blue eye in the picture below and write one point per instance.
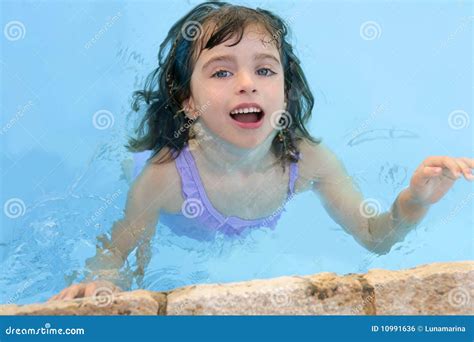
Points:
(266, 74)
(219, 73)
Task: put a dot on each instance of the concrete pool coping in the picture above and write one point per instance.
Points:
(434, 289)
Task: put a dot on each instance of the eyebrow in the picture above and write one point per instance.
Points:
(231, 58)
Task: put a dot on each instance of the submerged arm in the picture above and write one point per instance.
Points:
(135, 229)
(344, 202)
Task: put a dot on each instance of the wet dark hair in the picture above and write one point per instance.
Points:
(205, 26)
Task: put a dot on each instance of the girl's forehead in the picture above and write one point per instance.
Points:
(255, 39)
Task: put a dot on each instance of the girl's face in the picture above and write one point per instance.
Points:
(247, 75)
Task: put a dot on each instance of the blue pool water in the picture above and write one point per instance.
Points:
(392, 82)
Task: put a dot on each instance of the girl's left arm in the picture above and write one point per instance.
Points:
(429, 183)
(344, 202)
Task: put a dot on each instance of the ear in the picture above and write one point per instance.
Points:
(188, 107)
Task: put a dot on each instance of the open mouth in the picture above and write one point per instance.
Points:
(247, 115)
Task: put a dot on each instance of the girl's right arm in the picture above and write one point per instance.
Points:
(144, 201)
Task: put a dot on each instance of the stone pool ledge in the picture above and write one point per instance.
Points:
(434, 289)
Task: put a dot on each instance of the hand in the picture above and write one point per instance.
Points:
(86, 290)
(436, 175)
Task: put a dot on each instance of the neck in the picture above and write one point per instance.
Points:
(222, 156)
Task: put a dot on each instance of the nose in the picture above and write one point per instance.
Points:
(246, 84)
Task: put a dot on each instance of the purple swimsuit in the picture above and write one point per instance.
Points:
(198, 217)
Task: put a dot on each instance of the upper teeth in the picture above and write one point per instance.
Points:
(246, 110)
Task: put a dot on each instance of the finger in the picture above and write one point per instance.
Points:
(63, 295)
(90, 290)
(53, 298)
(442, 161)
(452, 166)
(59, 295)
(468, 161)
(69, 293)
(465, 168)
(80, 291)
(470, 165)
(431, 167)
(434, 161)
(431, 171)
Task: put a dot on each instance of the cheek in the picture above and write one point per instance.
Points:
(214, 116)
(211, 95)
(275, 88)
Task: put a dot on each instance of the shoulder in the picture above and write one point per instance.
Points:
(317, 154)
(315, 151)
(156, 185)
(317, 160)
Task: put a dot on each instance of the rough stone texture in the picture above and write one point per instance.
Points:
(323, 294)
(126, 303)
(434, 289)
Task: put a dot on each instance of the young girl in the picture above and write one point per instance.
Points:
(223, 146)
